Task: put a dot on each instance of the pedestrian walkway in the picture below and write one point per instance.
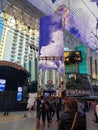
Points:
(17, 121)
(90, 124)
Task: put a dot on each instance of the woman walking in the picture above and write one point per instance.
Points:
(71, 119)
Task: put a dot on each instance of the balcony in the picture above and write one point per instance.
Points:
(19, 53)
(21, 39)
(12, 56)
(14, 37)
(26, 52)
(13, 52)
(14, 40)
(13, 47)
(19, 57)
(14, 44)
(20, 47)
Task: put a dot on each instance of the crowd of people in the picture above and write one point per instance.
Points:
(69, 112)
(46, 108)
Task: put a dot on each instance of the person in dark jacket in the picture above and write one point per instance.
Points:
(66, 120)
(57, 107)
(7, 106)
(46, 111)
(38, 110)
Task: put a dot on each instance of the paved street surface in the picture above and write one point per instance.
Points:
(17, 121)
(90, 124)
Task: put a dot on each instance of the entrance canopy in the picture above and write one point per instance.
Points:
(14, 74)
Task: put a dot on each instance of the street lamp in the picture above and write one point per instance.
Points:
(35, 48)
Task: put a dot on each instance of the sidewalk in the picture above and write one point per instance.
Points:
(17, 121)
(90, 124)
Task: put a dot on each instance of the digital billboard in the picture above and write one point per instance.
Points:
(19, 94)
(72, 57)
(51, 47)
(2, 85)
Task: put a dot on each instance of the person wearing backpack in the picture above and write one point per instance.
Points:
(45, 111)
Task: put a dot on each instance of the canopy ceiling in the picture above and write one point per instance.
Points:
(15, 74)
(83, 17)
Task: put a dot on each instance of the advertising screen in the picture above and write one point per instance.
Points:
(19, 94)
(2, 84)
(46, 94)
(70, 56)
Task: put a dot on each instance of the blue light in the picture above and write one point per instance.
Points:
(75, 32)
(53, 1)
(97, 4)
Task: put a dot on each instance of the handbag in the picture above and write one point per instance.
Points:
(74, 120)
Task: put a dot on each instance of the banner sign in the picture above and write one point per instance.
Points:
(75, 92)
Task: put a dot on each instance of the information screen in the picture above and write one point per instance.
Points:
(19, 94)
(2, 85)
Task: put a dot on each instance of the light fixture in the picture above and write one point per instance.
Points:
(53, 1)
(97, 24)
